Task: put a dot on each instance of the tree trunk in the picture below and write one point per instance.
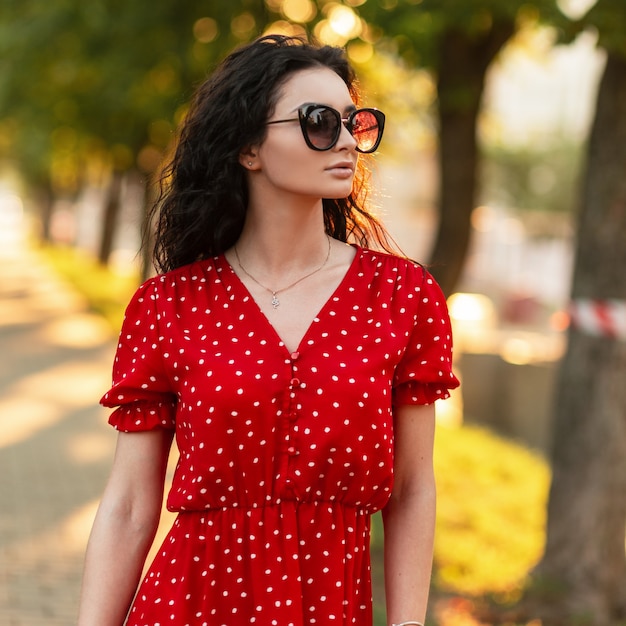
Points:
(111, 214)
(461, 76)
(45, 202)
(582, 577)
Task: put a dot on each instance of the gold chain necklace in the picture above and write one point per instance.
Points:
(275, 292)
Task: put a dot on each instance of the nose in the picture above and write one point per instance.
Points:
(346, 140)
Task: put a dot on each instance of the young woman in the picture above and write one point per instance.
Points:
(296, 367)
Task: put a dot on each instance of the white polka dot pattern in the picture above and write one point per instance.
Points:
(283, 456)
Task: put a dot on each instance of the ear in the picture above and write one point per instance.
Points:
(248, 158)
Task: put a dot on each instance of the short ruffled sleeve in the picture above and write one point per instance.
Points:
(141, 389)
(425, 372)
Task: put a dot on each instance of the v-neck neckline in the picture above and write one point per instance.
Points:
(241, 285)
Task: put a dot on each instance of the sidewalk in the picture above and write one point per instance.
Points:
(55, 445)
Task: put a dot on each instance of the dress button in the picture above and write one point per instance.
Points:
(295, 356)
(294, 382)
(292, 451)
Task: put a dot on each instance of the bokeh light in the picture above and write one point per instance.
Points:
(340, 26)
(360, 52)
(299, 10)
(344, 21)
(243, 25)
(205, 30)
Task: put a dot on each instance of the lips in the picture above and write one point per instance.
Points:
(342, 165)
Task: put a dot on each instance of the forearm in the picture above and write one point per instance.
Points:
(115, 557)
(124, 527)
(409, 535)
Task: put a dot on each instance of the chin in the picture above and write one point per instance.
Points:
(337, 193)
(342, 196)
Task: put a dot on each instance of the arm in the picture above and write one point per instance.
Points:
(409, 517)
(124, 527)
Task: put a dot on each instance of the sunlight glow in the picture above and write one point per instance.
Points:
(87, 448)
(41, 400)
(471, 307)
(35, 414)
(450, 411)
(68, 536)
(344, 21)
(360, 51)
(81, 330)
(517, 351)
(283, 27)
(11, 222)
(299, 10)
(575, 9)
(474, 320)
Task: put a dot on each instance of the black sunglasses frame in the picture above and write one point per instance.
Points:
(303, 113)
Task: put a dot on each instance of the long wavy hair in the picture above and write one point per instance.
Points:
(203, 198)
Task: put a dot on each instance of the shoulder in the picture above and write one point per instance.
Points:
(197, 272)
(406, 277)
(390, 266)
(169, 285)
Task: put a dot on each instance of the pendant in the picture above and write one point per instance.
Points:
(275, 300)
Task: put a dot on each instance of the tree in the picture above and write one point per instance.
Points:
(458, 41)
(108, 81)
(583, 572)
(114, 73)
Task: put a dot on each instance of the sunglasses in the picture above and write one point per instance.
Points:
(321, 126)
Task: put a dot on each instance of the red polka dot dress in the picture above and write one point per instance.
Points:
(283, 456)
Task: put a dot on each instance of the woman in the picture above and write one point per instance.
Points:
(297, 372)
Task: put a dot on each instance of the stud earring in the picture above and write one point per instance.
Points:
(249, 163)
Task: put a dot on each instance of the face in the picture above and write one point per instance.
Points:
(284, 163)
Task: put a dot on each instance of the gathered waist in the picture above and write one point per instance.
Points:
(278, 503)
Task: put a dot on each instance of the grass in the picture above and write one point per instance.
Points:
(491, 492)
(107, 292)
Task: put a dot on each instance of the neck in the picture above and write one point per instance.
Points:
(282, 240)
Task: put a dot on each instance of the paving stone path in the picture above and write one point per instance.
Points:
(55, 446)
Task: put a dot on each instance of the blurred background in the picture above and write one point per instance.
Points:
(503, 169)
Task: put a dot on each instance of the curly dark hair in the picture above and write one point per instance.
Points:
(203, 200)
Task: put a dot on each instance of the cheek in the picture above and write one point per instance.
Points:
(289, 163)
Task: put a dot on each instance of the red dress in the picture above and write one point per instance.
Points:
(283, 456)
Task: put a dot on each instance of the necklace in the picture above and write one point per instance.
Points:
(275, 292)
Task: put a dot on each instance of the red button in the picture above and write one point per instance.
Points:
(295, 382)
(292, 451)
(295, 356)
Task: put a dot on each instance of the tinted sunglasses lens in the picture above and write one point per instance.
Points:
(322, 125)
(365, 128)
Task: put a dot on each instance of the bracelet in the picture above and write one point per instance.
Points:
(408, 624)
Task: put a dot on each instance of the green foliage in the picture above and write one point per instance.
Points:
(107, 292)
(531, 178)
(414, 28)
(107, 78)
(608, 17)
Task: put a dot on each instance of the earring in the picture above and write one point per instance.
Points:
(249, 163)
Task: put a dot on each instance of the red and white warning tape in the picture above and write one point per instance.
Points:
(601, 318)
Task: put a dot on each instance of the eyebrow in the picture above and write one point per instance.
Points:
(348, 109)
